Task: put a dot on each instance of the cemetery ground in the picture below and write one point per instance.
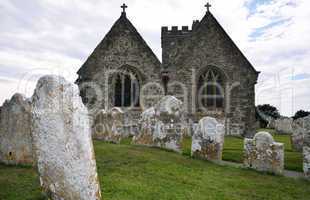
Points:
(134, 172)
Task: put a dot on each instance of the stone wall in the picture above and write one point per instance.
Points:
(15, 131)
(189, 53)
(62, 142)
(208, 139)
(123, 50)
(263, 154)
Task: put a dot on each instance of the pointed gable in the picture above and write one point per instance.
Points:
(206, 43)
(210, 24)
(121, 45)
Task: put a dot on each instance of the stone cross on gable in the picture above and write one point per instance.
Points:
(124, 6)
(208, 6)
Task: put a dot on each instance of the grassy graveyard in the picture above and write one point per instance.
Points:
(233, 150)
(132, 172)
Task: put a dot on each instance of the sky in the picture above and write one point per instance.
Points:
(39, 37)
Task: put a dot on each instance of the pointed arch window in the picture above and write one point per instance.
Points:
(126, 89)
(211, 90)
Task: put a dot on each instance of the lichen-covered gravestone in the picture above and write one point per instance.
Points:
(147, 126)
(263, 154)
(300, 129)
(306, 165)
(163, 125)
(208, 139)
(284, 125)
(62, 141)
(15, 131)
(109, 126)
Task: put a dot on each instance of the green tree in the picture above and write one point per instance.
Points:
(266, 112)
(301, 114)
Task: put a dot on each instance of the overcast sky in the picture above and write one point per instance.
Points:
(40, 37)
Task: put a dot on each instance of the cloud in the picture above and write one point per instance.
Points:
(48, 36)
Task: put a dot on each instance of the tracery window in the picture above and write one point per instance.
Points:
(211, 90)
(126, 89)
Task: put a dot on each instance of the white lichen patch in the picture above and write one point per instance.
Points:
(162, 125)
(263, 154)
(208, 139)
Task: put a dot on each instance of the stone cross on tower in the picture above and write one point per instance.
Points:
(124, 6)
(208, 6)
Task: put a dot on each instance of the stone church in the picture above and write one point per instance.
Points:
(201, 66)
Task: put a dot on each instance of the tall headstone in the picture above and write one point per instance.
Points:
(163, 125)
(263, 154)
(62, 141)
(109, 126)
(208, 139)
(306, 162)
(301, 128)
(284, 125)
(15, 131)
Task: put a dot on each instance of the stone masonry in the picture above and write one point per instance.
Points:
(208, 139)
(263, 154)
(62, 142)
(15, 131)
(191, 58)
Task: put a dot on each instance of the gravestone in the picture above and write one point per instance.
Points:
(147, 126)
(208, 139)
(62, 142)
(306, 162)
(301, 128)
(15, 131)
(163, 125)
(284, 125)
(109, 126)
(263, 154)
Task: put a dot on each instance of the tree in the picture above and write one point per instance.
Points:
(266, 112)
(301, 114)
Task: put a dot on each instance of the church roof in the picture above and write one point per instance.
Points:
(210, 19)
(208, 30)
(122, 24)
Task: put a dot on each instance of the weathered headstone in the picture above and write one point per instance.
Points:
(208, 139)
(306, 163)
(284, 125)
(163, 125)
(301, 127)
(263, 154)
(62, 141)
(15, 131)
(109, 126)
(147, 126)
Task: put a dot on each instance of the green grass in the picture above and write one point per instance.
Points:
(131, 173)
(233, 150)
(19, 183)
